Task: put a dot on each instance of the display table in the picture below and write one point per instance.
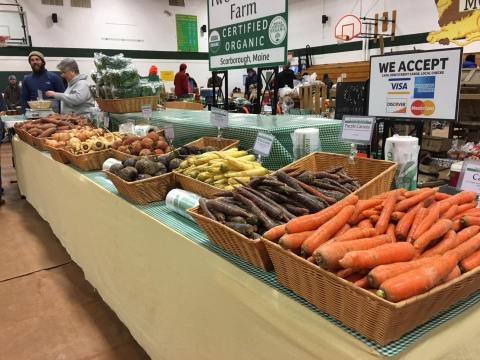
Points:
(184, 298)
(189, 125)
(9, 121)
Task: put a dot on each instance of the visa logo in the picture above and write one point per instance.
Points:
(400, 86)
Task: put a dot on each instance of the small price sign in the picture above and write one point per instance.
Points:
(219, 118)
(469, 179)
(146, 111)
(169, 132)
(263, 144)
(357, 129)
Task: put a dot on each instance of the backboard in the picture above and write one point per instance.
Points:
(348, 27)
(13, 23)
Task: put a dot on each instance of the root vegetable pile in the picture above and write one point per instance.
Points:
(52, 124)
(400, 243)
(267, 203)
(151, 144)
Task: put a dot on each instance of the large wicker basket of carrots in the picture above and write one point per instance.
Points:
(375, 175)
(384, 265)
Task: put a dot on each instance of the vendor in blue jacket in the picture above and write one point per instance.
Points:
(40, 79)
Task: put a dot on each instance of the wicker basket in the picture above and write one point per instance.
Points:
(371, 316)
(196, 186)
(375, 176)
(22, 134)
(253, 251)
(144, 191)
(217, 143)
(127, 105)
(57, 154)
(39, 143)
(87, 162)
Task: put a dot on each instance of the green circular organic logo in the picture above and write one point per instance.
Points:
(214, 42)
(277, 31)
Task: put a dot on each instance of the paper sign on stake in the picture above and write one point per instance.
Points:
(219, 118)
(357, 129)
(469, 179)
(169, 132)
(263, 144)
(147, 111)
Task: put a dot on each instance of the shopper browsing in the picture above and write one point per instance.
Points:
(250, 80)
(77, 98)
(214, 80)
(181, 82)
(40, 79)
(192, 84)
(12, 93)
(285, 77)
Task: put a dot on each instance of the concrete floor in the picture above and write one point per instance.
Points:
(48, 311)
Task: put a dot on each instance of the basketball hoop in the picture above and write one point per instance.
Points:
(3, 41)
(348, 28)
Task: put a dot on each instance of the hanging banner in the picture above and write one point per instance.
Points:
(416, 85)
(247, 33)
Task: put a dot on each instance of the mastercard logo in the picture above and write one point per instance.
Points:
(422, 107)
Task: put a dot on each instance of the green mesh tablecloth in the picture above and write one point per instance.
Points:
(191, 125)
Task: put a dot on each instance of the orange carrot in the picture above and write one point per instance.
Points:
(405, 223)
(397, 215)
(404, 205)
(342, 231)
(421, 213)
(457, 225)
(436, 231)
(275, 233)
(378, 275)
(327, 230)
(470, 262)
(374, 218)
(313, 221)
(463, 197)
(466, 248)
(361, 206)
(384, 219)
(450, 213)
(380, 255)
(344, 273)
(443, 206)
(468, 220)
(441, 196)
(369, 212)
(294, 241)
(328, 255)
(411, 193)
(391, 232)
(419, 280)
(356, 233)
(365, 224)
(384, 195)
(431, 217)
(455, 273)
(362, 282)
(448, 242)
(463, 209)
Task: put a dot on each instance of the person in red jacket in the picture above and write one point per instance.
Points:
(181, 82)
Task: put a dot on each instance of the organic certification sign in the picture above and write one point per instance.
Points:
(417, 85)
(470, 176)
(247, 33)
(357, 129)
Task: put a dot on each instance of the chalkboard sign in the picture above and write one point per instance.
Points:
(351, 99)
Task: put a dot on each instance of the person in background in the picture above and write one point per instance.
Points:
(40, 79)
(192, 84)
(217, 80)
(181, 82)
(153, 74)
(250, 80)
(285, 77)
(77, 98)
(469, 62)
(12, 93)
(328, 82)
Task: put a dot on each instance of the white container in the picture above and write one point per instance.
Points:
(305, 141)
(107, 164)
(404, 150)
(179, 201)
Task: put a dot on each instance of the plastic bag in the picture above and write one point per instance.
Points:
(104, 62)
(123, 78)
